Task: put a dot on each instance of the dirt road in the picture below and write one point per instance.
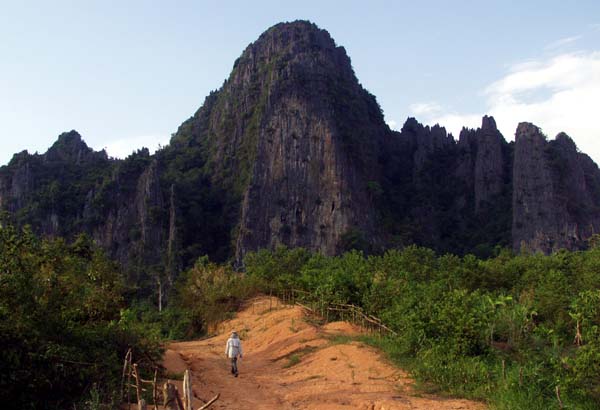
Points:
(289, 363)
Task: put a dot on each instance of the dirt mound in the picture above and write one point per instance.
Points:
(291, 363)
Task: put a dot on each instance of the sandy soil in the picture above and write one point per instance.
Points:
(290, 363)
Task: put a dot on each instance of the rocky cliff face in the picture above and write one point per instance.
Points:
(316, 145)
(490, 163)
(292, 150)
(132, 224)
(556, 194)
(15, 186)
(48, 191)
(71, 189)
(451, 195)
(295, 139)
(484, 162)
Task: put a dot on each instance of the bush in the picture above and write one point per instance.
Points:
(60, 325)
(209, 293)
(501, 330)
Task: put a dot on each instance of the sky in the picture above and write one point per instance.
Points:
(126, 74)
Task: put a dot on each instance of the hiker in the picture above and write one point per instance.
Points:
(233, 349)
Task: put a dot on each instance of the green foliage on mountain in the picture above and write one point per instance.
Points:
(203, 209)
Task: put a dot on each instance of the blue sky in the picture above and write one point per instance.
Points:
(125, 74)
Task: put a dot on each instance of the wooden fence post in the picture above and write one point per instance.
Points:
(126, 364)
(520, 376)
(578, 337)
(169, 399)
(178, 397)
(129, 382)
(138, 387)
(187, 391)
(154, 389)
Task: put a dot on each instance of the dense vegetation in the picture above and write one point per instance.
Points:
(457, 319)
(508, 330)
(64, 324)
(67, 314)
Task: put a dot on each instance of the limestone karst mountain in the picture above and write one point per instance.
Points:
(556, 193)
(292, 150)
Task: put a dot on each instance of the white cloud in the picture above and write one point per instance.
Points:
(560, 93)
(393, 125)
(562, 42)
(559, 73)
(123, 147)
(425, 108)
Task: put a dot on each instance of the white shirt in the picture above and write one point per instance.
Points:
(233, 348)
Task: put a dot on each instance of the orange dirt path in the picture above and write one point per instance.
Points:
(289, 363)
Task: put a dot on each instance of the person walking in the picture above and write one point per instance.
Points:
(233, 350)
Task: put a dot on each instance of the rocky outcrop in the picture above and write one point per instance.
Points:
(296, 139)
(70, 148)
(48, 190)
(317, 144)
(450, 195)
(71, 189)
(133, 226)
(489, 163)
(556, 193)
(150, 207)
(17, 185)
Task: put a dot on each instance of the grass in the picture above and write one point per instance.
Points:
(391, 350)
(244, 333)
(341, 339)
(292, 361)
(474, 384)
(294, 357)
(314, 320)
(293, 327)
